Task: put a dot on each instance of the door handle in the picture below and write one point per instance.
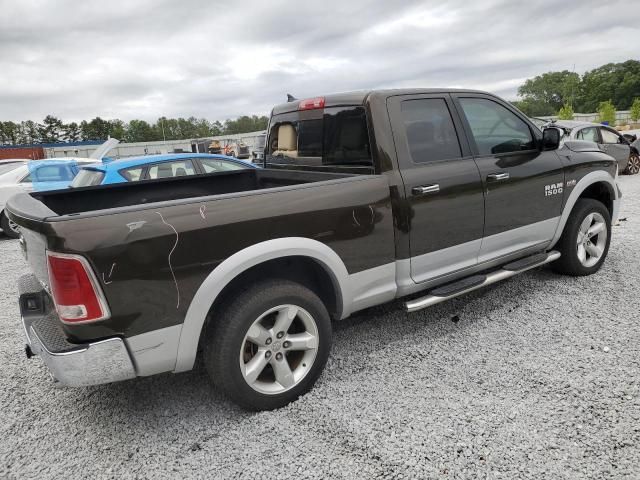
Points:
(498, 176)
(421, 190)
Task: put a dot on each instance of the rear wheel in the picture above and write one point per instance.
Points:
(268, 345)
(9, 227)
(585, 241)
(633, 167)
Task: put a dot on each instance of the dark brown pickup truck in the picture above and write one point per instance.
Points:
(365, 197)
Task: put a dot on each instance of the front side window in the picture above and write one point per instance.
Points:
(496, 129)
(608, 136)
(172, 169)
(210, 165)
(334, 136)
(590, 134)
(429, 130)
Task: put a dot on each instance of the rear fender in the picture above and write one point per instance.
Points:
(242, 261)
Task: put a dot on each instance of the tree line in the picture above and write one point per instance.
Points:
(54, 130)
(615, 84)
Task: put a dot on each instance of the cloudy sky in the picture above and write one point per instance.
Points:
(220, 59)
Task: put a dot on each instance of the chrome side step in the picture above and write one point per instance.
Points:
(459, 288)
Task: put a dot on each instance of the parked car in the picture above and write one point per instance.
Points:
(24, 176)
(609, 139)
(152, 167)
(368, 197)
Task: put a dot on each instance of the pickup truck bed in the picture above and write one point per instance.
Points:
(137, 237)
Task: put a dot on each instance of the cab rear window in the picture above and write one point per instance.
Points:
(329, 137)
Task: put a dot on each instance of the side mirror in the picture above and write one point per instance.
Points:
(551, 138)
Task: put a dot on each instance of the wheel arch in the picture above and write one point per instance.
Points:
(598, 185)
(248, 264)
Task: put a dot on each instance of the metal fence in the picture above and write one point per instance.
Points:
(623, 117)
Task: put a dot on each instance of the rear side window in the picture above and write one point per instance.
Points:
(334, 136)
(496, 129)
(52, 173)
(132, 174)
(87, 178)
(590, 134)
(429, 130)
(7, 167)
(172, 169)
(210, 165)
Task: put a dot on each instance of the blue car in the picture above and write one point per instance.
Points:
(151, 167)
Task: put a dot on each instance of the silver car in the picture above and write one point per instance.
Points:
(607, 138)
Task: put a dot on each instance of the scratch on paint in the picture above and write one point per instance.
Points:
(170, 253)
(109, 277)
(135, 225)
(202, 210)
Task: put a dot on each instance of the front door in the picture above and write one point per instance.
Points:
(523, 186)
(443, 190)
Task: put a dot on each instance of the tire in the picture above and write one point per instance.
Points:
(633, 166)
(7, 227)
(283, 372)
(588, 231)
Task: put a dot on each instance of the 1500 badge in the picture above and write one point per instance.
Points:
(553, 189)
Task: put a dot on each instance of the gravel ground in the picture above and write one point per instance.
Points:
(536, 377)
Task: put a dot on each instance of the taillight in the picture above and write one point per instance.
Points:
(75, 290)
(311, 103)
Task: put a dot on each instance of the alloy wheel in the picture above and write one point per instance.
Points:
(279, 349)
(592, 239)
(633, 167)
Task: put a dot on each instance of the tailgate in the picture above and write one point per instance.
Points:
(30, 214)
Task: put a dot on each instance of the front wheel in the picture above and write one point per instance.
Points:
(585, 241)
(9, 227)
(633, 167)
(268, 345)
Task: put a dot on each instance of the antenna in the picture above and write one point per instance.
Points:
(291, 98)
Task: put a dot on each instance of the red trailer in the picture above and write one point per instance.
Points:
(35, 152)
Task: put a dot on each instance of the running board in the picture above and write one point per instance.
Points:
(475, 282)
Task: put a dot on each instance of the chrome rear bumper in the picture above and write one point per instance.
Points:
(70, 364)
(95, 363)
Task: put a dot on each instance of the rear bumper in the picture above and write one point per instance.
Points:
(70, 364)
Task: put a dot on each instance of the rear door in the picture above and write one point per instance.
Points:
(523, 186)
(443, 189)
(615, 145)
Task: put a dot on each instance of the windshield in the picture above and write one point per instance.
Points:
(87, 178)
(330, 137)
(7, 167)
